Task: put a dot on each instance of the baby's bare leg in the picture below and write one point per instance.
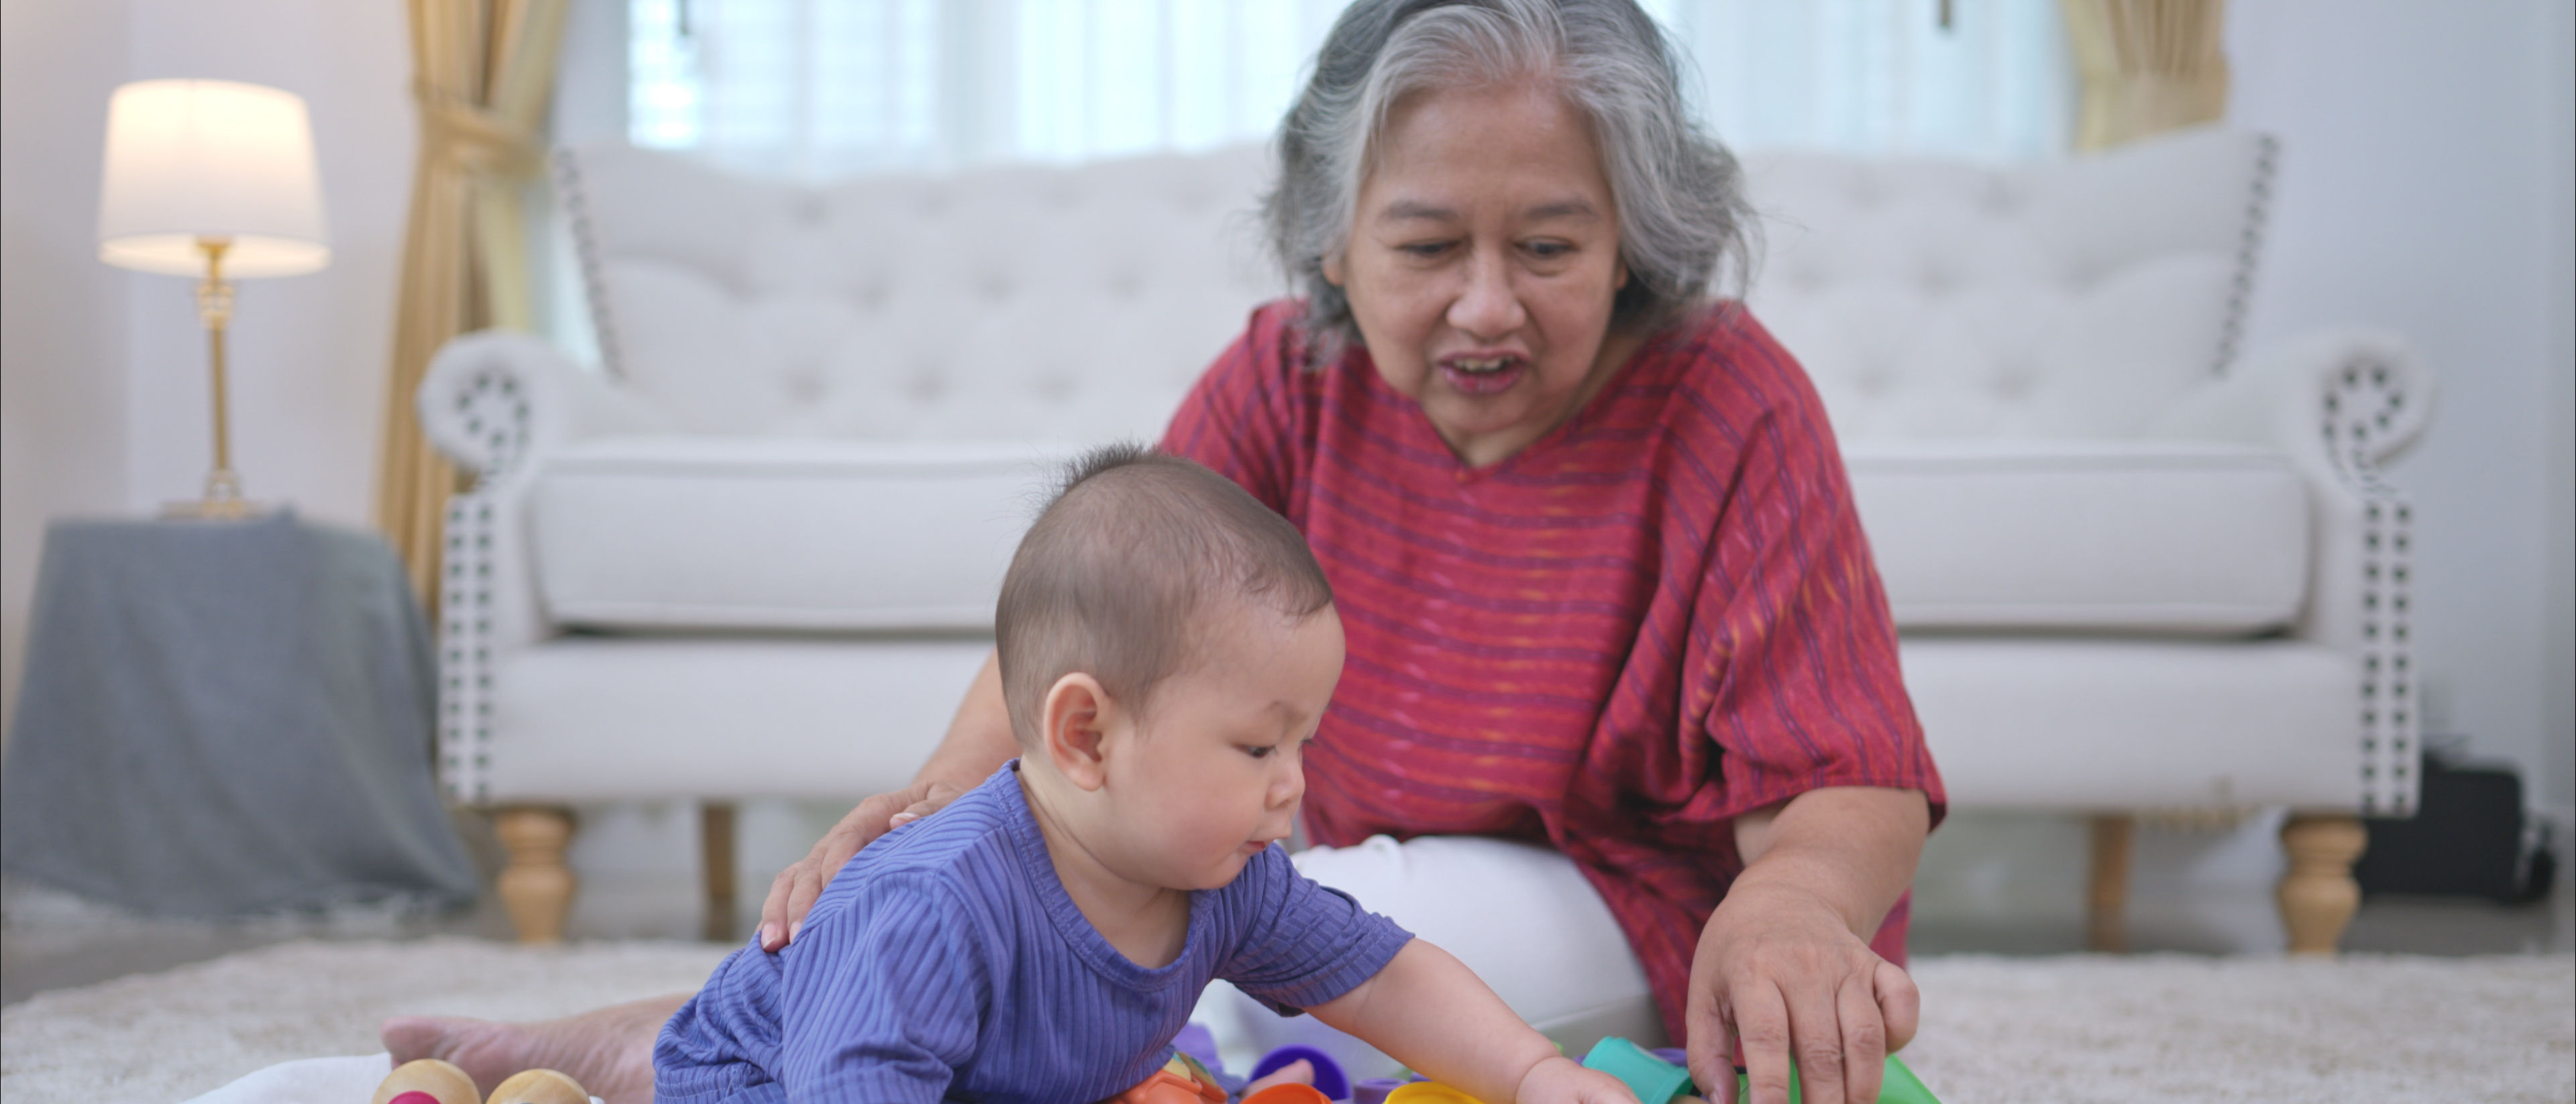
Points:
(609, 1050)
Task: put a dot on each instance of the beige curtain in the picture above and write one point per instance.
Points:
(2148, 66)
(482, 71)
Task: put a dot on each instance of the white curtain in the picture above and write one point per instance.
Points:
(821, 88)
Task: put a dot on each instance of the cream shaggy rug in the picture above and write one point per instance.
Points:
(2156, 1029)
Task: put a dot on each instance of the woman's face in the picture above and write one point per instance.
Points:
(1482, 262)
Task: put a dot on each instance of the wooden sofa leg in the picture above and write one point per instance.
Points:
(2317, 893)
(716, 856)
(2106, 922)
(536, 886)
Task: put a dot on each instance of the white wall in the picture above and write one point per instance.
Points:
(62, 334)
(2559, 611)
(106, 378)
(2424, 186)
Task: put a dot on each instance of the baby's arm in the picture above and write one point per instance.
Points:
(1438, 1018)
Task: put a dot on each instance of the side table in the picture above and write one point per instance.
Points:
(226, 717)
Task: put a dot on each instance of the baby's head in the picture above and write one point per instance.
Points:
(1167, 646)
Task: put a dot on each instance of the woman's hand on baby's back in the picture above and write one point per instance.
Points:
(792, 893)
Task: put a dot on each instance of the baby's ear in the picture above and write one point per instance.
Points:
(1075, 721)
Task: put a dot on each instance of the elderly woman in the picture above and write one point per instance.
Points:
(1604, 586)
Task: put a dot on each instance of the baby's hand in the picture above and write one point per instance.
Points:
(1561, 1080)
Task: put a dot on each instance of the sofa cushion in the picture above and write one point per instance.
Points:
(736, 533)
(2077, 298)
(2166, 537)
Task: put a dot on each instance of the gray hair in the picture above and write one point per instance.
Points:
(1682, 212)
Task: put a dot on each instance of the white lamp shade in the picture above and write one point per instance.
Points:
(191, 159)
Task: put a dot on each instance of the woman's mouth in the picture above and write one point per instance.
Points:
(1482, 375)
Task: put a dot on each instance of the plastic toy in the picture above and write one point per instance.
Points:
(427, 1081)
(1328, 1079)
(539, 1086)
(1896, 1086)
(1373, 1090)
(1654, 1080)
(1657, 1081)
(1290, 1093)
(1429, 1092)
(1181, 1081)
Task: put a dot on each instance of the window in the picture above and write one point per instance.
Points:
(820, 88)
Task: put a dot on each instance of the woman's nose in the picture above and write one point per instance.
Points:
(1487, 307)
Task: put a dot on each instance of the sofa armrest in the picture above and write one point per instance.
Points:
(493, 398)
(2346, 401)
(495, 403)
(2343, 403)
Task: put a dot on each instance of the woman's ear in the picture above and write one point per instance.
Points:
(1333, 273)
(1076, 716)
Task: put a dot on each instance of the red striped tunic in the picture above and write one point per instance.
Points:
(1658, 616)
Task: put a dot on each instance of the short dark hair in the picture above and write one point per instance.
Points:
(1113, 577)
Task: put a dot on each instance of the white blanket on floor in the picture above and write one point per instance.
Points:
(310, 1081)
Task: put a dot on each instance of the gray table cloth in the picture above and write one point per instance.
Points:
(224, 718)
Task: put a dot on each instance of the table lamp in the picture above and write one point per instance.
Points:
(212, 179)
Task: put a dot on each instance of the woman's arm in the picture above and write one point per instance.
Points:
(979, 741)
(1427, 1010)
(1784, 966)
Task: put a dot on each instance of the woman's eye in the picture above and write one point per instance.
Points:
(1547, 250)
(1424, 249)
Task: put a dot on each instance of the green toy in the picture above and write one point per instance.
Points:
(1656, 1081)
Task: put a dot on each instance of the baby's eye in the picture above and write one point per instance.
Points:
(1258, 751)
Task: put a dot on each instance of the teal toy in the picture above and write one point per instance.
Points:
(1656, 1081)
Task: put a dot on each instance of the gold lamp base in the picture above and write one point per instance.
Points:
(223, 501)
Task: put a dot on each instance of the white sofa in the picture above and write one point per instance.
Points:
(755, 552)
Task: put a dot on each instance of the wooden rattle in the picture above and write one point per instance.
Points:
(539, 1086)
(428, 1081)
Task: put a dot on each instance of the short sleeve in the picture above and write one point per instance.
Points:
(883, 1001)
(1236, 419)
(1792, 639)
(1303, 944)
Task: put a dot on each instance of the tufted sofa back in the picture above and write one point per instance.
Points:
(1018, 303)
(2071, 299)
(1928, 299)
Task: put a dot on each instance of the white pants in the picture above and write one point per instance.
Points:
(1517, 914)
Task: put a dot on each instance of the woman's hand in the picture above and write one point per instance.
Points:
(1779, 972)
(1561, 1079)
(1784, 967)
(793, 892)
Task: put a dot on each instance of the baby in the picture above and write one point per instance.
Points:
(1167, 646)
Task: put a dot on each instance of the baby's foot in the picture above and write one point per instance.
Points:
(609, 1050)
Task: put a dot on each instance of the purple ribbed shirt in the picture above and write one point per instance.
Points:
(947, 962)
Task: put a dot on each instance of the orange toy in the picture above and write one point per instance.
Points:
(1289, 1093)
(427, 1081)
(539, 1086)
(1181, 1081)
